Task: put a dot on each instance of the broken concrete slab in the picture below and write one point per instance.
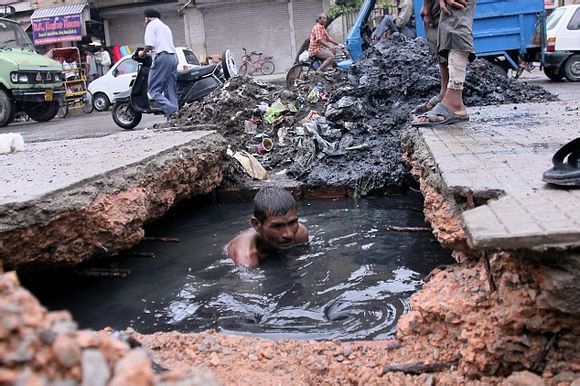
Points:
(501, 155)
(64, 202)
(46, 167)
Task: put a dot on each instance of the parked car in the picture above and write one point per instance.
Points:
(562, 55)
(122, 73)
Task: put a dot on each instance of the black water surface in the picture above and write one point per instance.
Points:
(352, 282)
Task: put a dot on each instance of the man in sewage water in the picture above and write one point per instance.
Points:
(275, 227)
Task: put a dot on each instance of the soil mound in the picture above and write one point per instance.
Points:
(341, 129)
(44, 348)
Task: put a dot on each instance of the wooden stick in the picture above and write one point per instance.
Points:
(140, 254)
(435, 270)
(416, 367)
(489, 274)
(408, 229)
(103, 272)
(166, 239)
(540, 362)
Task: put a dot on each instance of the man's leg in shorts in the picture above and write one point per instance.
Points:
(328, 57)
(432, 37)
(455, 41)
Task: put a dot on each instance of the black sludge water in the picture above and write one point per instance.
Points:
(352, 282)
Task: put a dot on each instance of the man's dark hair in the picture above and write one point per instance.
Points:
(151, 12)
(273, 201)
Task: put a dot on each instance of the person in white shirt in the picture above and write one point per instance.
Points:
(163, 73)
(103, 60)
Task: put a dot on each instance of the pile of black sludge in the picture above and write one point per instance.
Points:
(349, 137)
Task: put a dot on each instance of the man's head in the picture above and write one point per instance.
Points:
(275, 217)
(151, 14)
(321, 19)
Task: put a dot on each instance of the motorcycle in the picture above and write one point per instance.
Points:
(192, 85)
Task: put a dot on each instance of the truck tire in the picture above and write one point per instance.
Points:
(125, 116)
(572, 68)
(553, 74)
(43, 111)
(500, 70)
(7, 108)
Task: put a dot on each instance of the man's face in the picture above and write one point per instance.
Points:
(278, 232)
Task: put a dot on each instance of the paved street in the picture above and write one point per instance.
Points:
(566, 91)
(75, 125)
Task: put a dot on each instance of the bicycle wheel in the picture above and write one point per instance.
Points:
(294, 73)
(62, 108)
(267, 67)
(243, 69)
(88, 103)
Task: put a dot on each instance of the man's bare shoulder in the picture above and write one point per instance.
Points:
(302, 234)
(243, 250)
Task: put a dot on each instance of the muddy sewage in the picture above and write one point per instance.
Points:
(353, 281)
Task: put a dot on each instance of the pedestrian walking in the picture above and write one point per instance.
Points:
(163, 73)
(90, 66)
(449, 28)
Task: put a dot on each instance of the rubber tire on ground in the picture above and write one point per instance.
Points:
(295, 72)
(101, 102)
(7, 108)
(229, 65)
(552, 74)
(572, 68)
(124, 123)
(62, 109)
(267, 67)
(43, 111)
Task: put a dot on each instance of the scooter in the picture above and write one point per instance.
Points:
(192, 85)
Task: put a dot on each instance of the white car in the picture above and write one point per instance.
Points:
(562, 55)
(119, 77)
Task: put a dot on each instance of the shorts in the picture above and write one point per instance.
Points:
(454, 32)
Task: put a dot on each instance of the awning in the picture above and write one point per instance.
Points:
(58, 11)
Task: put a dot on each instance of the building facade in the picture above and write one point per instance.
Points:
(275, 27)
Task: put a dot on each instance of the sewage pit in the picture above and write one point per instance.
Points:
(352, 282)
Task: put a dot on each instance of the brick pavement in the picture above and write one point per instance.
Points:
(502, 152)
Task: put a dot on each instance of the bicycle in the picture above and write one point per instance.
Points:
(263, 64)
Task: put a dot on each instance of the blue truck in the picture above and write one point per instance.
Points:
(508, 33)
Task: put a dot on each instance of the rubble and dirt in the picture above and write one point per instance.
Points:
(341, 129)
(44, 348)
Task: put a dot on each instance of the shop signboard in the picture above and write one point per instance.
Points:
(55, 29)
(549, 4)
